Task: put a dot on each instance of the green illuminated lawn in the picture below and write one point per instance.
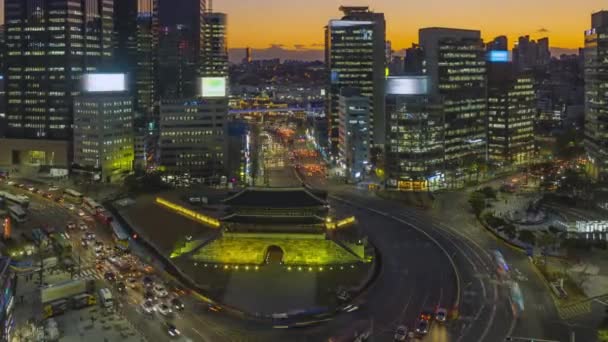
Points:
(228, 250)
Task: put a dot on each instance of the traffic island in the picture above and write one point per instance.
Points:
(266, 252)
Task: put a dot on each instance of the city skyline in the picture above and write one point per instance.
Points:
(302, 23)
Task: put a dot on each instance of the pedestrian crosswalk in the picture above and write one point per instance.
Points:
(89, 273)
(574, 310)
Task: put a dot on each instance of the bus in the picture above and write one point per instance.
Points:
(501, 264)
(120, 235)
(517, 300)
(17, 213)
(72, 196)
(91, 206)
(23, 201)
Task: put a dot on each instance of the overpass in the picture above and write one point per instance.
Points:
(276, 110)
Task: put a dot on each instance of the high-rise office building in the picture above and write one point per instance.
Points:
(455, 64)
(177, 63)
(103, 128)
(171, 15)
(511, 111)
(500, 43)
(193, 137)
(48, 49)
(50, 44)
(214, 59)
(355, 52)
(414, 135)
(529, 54)
(353, 136)
(413, 62)
(136, 40)
(596, 97)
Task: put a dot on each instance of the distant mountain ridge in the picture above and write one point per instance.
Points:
(311, 54)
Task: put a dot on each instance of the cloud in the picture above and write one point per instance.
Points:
(300, 46)
(542, 30)
(276, 46)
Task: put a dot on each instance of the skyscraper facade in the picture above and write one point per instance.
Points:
(353, 136)
(214, 59)
(355, 52)
(596, 96)
(103, 128)
(177, 68)
(50, 44)
(136, 41)
(414, 135)
(455, 64)
(511, 114)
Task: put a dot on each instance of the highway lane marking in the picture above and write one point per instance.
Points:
(453, 264)
(199, 334)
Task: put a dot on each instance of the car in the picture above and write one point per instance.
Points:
(177, 304)
(401, 333)
(441, 315)
(422, 327)
(40, 191)
(100, 254)
(10, 183)
(21, 185)
(84, 243)
(71, 226)
(172, 330)
(70, 206)
(47, 195)
(214, 308)
(148, 295)
(163, 309)
(53, 188)
(31, 188)
(58, 199)
(110, 276)
(89, 236)
(148, 306)
(132, 283)
(81, 213)
(160, 291)
(148, 281)
(83, 226)
(120, 286)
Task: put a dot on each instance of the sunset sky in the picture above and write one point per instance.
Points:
(262, 23)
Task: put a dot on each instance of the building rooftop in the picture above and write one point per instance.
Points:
(279, 198)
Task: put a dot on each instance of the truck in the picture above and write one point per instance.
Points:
(56, 299)
(83, 300)
(105, 298)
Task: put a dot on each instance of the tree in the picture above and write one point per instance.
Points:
(489, 192)
(478, 202)
(510, 230)
(528, 237)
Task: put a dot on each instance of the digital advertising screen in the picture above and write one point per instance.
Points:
(94, 83)
(213, 86)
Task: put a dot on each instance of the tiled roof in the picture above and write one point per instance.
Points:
(275, 198)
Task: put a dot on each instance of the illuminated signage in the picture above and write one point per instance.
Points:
(213, 86)
(407, 85)
(498, 56)
(104, 82)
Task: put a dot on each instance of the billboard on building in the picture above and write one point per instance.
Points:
(213, 86)
(104, 82)
(498, 56)
(407, 85)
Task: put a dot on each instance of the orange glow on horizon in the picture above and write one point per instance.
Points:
(299, 25)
